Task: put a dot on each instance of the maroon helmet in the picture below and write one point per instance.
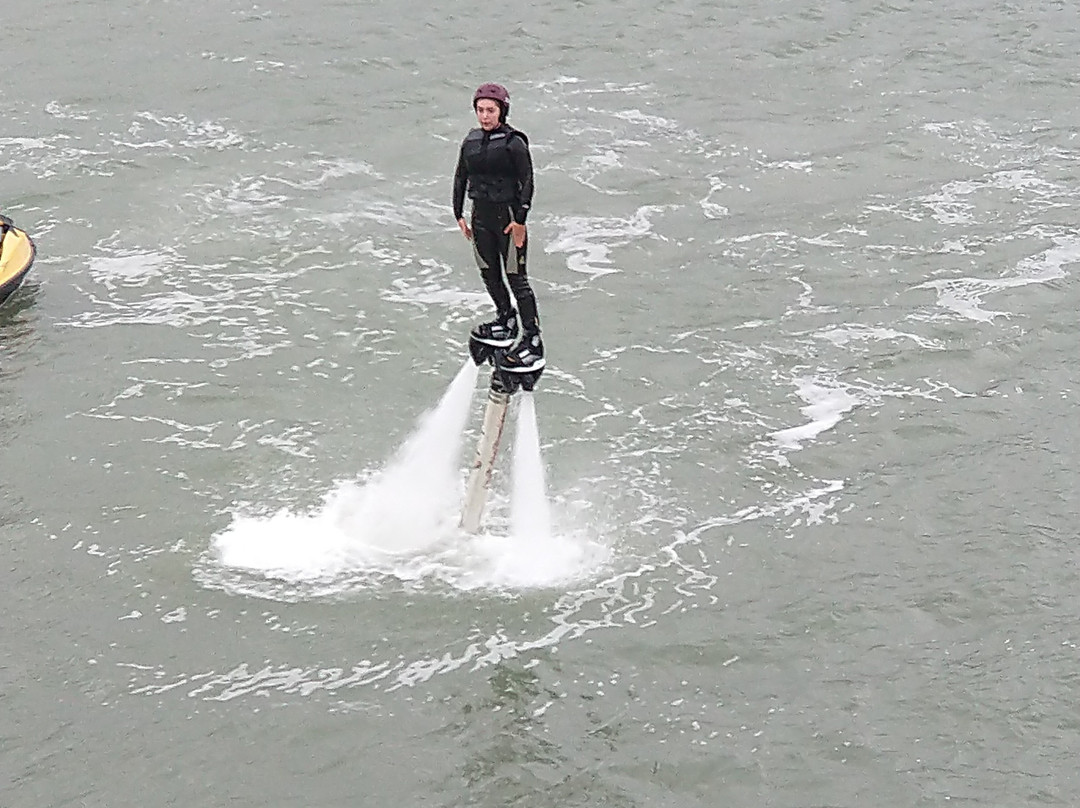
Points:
(494, 92)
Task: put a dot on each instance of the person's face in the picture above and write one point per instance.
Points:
(487, 113)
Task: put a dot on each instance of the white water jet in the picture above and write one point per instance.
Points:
(410, 504)
(530, 513)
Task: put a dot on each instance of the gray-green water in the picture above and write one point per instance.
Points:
(807, 275)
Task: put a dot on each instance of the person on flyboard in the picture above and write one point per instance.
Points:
(495, 169)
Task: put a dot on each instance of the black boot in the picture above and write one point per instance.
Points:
(526, 357)
(499, 333)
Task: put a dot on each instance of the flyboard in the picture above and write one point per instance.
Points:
(16, 256)
(504, 383)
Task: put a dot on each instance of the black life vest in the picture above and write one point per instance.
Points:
(492, 176)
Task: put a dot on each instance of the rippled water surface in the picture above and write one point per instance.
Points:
(807, 278)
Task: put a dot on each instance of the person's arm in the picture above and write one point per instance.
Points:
(519, 153)
(461, 180)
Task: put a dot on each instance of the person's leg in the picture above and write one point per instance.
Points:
(489, 248)
(528, 355)
(518, 278)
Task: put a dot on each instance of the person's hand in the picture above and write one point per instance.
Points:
(518, 232)
(465, 229)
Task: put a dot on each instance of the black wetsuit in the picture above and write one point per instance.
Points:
(495, 168)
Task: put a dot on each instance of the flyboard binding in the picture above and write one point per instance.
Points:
(17, 253)
(504, 383)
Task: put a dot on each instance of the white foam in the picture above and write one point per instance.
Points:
(714, 210)
(841, 335)
(964, 296)
(433, 284)
(533, 561)
(826, 404)
(65, 111)
(196, 134)
(25, 142)
(588, 240)
(806, 166)
(333, 170)
(945, 205)
(654, 122)
(133, 269)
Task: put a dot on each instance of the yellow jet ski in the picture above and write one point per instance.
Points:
(16, 256)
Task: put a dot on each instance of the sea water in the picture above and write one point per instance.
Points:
(807, 274)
